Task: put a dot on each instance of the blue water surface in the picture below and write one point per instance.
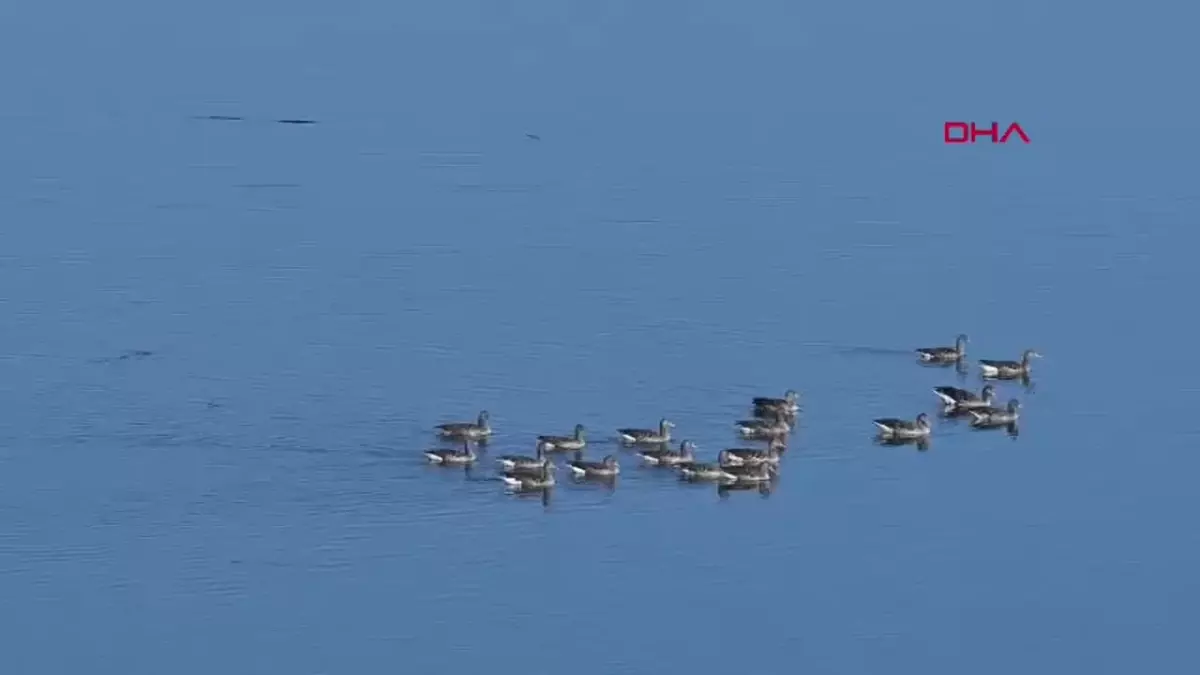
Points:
(224, 342)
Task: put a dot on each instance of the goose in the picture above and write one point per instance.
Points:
(523, 462)
(752, 474)
(891, 427)
(789, 404)
(1009, 369)
(994, 417)
(684, 455)
(481, 428)
(647, 436)
(763, 428)
(541, 480)
(576, 442)
(444, 456)
(755, 456)
(962, 399)
(945, 354)
(605, 467)
(708, 471)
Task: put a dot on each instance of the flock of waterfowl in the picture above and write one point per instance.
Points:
(958, 402)
(773, 420)
(746, 467)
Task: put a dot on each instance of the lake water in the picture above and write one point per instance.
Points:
(225, 342)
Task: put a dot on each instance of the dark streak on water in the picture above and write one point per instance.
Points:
(125, 356)
(238, 118)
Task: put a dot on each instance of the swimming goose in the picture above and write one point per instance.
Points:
(708, 471)
(541, 480)
(962, 399)
(481, 428)
(647, 436)
(770, 415)
(755, 456)
(606, 467)
(444, 456)
(945, 354)
(1009, 369)
(753, 474)
(790, 403)
(995, 417)
(523, 462)
(763, 428)
(576, 442)
(684, 455)
(891, 427)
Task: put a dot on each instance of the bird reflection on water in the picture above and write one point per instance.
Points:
(921, 444)
(765, 488)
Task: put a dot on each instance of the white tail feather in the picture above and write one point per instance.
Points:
(945, 399)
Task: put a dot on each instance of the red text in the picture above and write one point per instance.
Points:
(968, 132)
